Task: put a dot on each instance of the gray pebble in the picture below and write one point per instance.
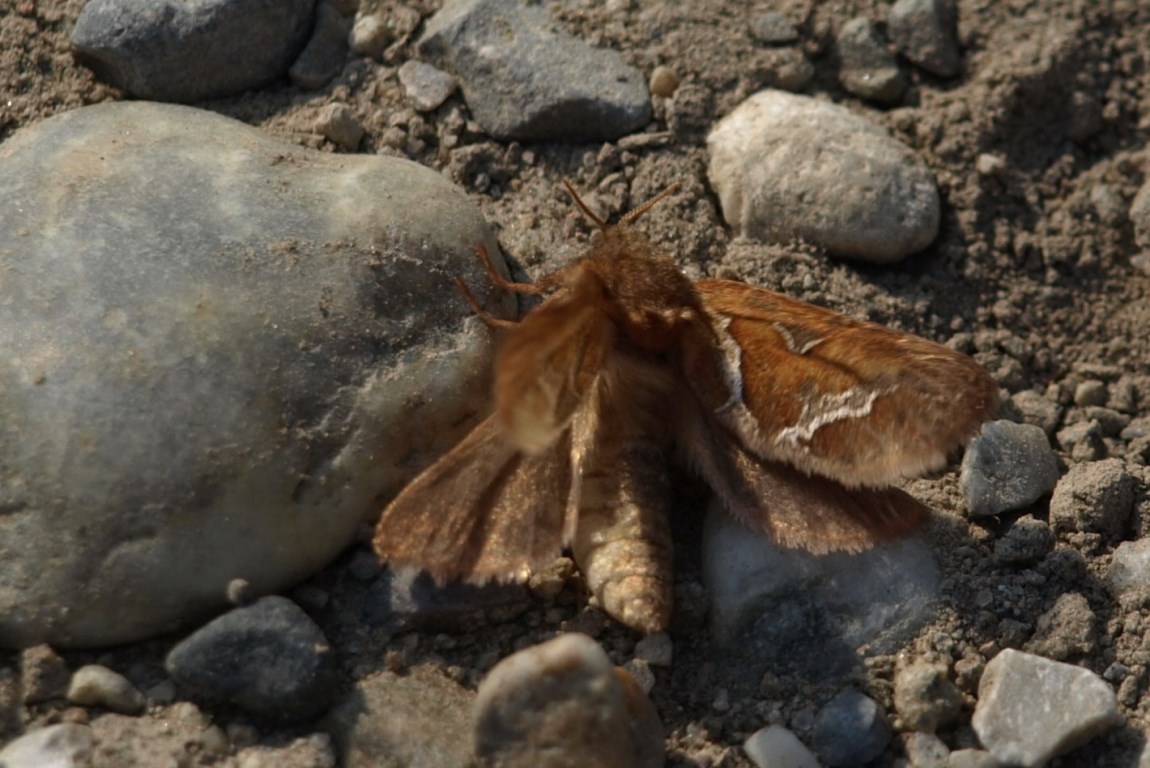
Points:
(67, 745)
(1129, 569)
(768, 600)
(925, 697)
(1110, 422)
(525, 79)
(325, 53)
(561, 703)
(1067, 632)
(774, 28)
(789, 167)
(269, 658)
(96, 685)
(776, 747)
(339, 125)
(924, 32)
(867, 68)
(186, 52)
(426, 87)
(1006, 467)
(1096, 498)
(1083, 441)
(242, 326)
(1031, 709)
(1025, 542)
(850, 730)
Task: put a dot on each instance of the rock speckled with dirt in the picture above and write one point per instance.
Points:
(1029, 120)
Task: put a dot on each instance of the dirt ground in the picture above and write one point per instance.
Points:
(1037, 148)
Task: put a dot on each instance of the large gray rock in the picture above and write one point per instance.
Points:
(217, 353)
(789, 167)
(525, 79)
(181, 51)
(768, 600)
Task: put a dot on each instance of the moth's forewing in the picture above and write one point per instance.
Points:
(485, 511)
(833, 396)
(548, 363)
(795, 510)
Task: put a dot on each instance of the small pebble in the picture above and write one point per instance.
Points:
(239, 592)
(1096, 497)
(774, 28)
(925, 697)
(66, 745)
(96, 685)
(1006, 467)
(1025, 542)
(43, 674)
(338, 124)
(664, 81)
(1091, 392)
(776, 747)
(867, 68)
(924, 32)
(1067, 632)
(562, 703)
(850, 730)
(427, 87)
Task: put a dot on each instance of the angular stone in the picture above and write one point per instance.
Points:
(850, 730)
(1006, 467)
(1031, 709)
(924, 31)
(184, 52)
(216, 346)
(268, 658)
(775, 746)
(1097, 497)
(789, 167)
(526, 80)
(867, 68)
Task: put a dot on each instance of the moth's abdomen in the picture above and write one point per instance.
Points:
(623, 543)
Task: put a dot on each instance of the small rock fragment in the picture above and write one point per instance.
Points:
(1083, 441)
(1038, 410)
(338, 124)
(774, 28)
(525, 79)
(1026, 541)
(268, 658)
(1007, 466)
(561, 703)
(925, 750)
(43, 674)
(96, 685)
(1067, 632)
(850, 730)
(1091, 392)
(426, 86)
(866, 67)
(925, 698)
(776, 747)
(1095, 498)
(924, 32)
(1031, 709)
(325, 53)
(1129, 568)
(971, 758)
(57, 746)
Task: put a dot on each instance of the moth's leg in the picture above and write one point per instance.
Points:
(502, 282)
(623, 539)
(481, 313)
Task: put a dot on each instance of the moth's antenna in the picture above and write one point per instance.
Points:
(631, 217)
(583, 206)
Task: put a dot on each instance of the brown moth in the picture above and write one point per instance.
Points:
(799, 418)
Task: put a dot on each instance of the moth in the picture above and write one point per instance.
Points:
(799, 419)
